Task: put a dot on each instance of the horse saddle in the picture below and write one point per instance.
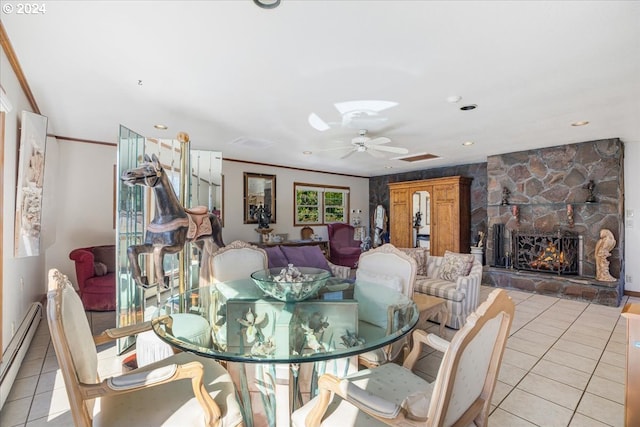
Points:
(199, 222)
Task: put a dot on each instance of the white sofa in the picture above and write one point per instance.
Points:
(461, 295)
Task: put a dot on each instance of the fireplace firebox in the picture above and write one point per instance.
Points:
(559, 253)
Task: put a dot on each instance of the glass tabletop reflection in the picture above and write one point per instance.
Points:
(236, 321)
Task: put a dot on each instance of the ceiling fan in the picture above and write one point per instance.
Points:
(373, 146)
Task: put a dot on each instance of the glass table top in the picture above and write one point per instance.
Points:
(236, 321)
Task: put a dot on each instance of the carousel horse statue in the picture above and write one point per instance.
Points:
(172, 226)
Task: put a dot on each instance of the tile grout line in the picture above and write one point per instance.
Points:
(593, 374)
(582, 391)
(538, 361)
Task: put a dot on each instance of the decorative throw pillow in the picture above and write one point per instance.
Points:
(420, 255)
(455, 265)
(99, 269)
(306, 256)
(276, 257)
(106, 255)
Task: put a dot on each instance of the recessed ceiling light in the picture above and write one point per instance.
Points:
(267, 4)
(388, 167)
(161, 127)
(467, 143)
(307, 152)
(469, 107)
(580, 123)
(454, 98)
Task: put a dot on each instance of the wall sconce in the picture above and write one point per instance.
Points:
(570, 215)
(515, 211)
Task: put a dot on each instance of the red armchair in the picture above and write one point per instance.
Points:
(343, 250)
(96, 275)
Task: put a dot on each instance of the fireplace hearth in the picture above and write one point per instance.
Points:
(559, 253)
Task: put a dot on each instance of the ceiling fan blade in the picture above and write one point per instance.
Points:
(379, 140)
(375, 153)
(397, 150)
(349, 153)
(345, 147)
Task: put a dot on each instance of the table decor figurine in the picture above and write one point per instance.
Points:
(291, 283)
(505, 196)
(591, 187)
(263, 216)
(350, 339)
(417, 220)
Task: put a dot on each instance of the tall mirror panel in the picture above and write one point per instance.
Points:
(137, 207)
(130, 202)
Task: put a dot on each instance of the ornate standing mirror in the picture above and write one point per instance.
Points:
(259, 191)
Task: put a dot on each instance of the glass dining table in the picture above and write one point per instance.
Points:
(275, 351)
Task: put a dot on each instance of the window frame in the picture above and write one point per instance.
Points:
(321, 189)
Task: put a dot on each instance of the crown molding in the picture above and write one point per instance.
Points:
(17, 69)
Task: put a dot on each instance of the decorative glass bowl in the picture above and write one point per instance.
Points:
(291, 283)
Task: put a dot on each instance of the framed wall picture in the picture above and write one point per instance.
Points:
(31, 163)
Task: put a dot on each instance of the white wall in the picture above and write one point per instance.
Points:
(234, 227)
(84, 194)
(632, 229)
(83, 201)
(22, 278)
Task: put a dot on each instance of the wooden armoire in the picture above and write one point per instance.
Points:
(450, 213)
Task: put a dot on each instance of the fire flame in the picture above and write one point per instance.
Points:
(550, 258)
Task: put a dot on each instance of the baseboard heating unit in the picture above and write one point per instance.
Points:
(17, 348)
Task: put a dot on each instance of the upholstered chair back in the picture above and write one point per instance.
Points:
(72, 339)
(237, 260)
(469, 367)
(393, 394)
(387, 263)
(379, 271)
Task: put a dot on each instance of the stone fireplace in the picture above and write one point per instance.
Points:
(558, 253)
(542, 230)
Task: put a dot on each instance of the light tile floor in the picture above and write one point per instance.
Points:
(564, 366)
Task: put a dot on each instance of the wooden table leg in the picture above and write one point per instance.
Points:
(443, 317)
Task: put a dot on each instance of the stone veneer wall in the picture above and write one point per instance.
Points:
(542, 182)
(379, 192)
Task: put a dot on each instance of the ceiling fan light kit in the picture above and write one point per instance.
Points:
(372, 146)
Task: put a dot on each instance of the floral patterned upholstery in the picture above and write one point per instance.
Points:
(461, 294)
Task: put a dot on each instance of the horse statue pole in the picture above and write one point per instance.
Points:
(185, 169)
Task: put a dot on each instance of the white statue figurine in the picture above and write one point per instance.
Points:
(603, 251)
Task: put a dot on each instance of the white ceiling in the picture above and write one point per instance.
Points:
(227, 71)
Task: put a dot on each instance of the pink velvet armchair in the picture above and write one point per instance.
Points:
(96, 275)
(343, 250)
